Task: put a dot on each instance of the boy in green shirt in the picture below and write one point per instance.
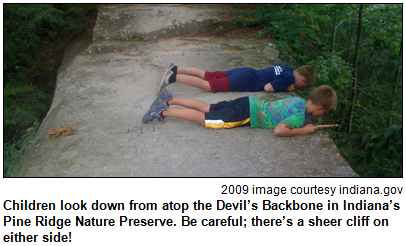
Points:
(285, 116)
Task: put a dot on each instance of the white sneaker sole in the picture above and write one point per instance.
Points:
(161, 79)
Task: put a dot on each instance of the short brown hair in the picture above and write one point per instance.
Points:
(324, 96)
(307, 72)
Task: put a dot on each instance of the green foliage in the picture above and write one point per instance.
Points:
(324, 36)
(28, 32)
(333, 71)
(296, 28)
(28, 29)
(378, 154)
(34, 38)
(14, 151)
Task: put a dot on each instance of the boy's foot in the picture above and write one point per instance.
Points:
(155, 112)
(163, 79)
(170, 66)
(165, 96)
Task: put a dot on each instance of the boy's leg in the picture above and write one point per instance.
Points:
(229, 114)
(186, 114)
(193, 81)
(191, 71)
(213, 81)
(191, 104)
(195, 77)
(207, 81)
(160, 109)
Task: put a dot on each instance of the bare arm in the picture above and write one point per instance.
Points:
(291, 87)
(268, 88)
(283, 130)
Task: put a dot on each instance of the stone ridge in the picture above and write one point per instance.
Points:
(151, 22)
(104, 88)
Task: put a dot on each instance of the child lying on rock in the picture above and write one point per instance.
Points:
(286, 116)
(272, 79)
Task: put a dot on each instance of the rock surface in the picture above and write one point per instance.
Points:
(104, 88)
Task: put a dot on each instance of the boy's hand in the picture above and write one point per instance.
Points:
(283, 130)
(309, 129)
(291, 88)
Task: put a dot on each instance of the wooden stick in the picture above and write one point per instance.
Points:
(334, 125)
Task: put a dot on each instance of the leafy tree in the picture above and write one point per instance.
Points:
(355, 80)
(27, 31)
(34, 37)
(378, 154)
(357, 50)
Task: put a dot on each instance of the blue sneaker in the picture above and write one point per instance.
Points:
(155, 112)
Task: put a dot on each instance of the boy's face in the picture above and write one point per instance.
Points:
(319, 111)
(300, 81)
(314, 110)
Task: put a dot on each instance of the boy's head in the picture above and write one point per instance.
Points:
(323, 99)
(304, 76)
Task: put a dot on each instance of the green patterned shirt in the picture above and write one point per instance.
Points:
(265, 114)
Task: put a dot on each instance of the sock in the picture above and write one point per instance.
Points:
(162, 115)
(175, 69)
(172, 79)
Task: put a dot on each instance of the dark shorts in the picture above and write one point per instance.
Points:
(218, 81)
(229, 114)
